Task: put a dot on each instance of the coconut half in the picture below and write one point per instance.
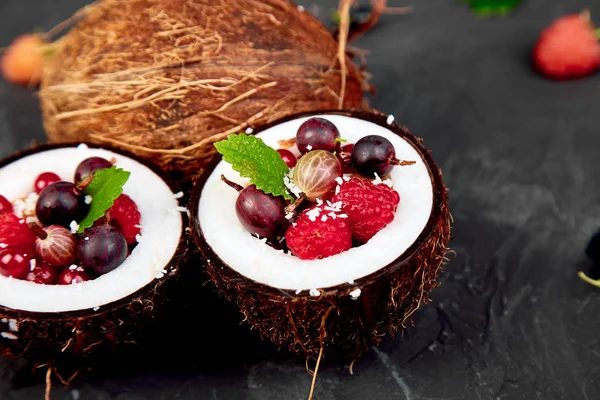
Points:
(44, 321)
(343, 303)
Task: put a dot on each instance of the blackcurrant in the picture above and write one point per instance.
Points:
(317, 133)
(260, 213)
(373, 154)
(61, 203)
(102, 249)
(90, 165)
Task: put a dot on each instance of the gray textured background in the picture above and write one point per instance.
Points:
(511, 319)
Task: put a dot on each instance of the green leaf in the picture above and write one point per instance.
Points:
(488, 8)
(253, 159)
(104, 189)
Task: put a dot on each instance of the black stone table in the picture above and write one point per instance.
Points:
(511, 319)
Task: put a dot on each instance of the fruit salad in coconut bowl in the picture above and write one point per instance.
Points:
(326, 230)
(90, 240)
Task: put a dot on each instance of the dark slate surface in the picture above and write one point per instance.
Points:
(511, 319)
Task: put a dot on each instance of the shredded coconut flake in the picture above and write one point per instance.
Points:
(390, 119)
(87, 199)
(355, 293)
(308, 147)
(74, 226)
(32, 263)
(289, 215)
(178, 195)
(324, 218)
(13, 326)
(298, 291)
(73, 267)
(8, 335)
(287, 181)
(314, 292)
(332, 215)
(3, 245)
(346, 177)
(138, 238)
(300, 8)
(249, 130)
(314, 213)
(342, 215)
(377, 179)
(339, 180)
(82, 146)
(178, 209)
(96, 308)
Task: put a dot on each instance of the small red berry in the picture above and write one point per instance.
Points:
(568, 48)
(369, 206)
(44, 179)
(5, 205)
(14, 262)
(316, 234)
(287, 156)
(125, 216)
(71, 276)
(42, 273)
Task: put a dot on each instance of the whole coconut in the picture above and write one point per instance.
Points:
(165, 79)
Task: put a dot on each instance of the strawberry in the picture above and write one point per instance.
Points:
(568, 48)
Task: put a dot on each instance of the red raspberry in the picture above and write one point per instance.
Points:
(568, 48)
(309, 240)
(14, 233)
(125, 216)
(369, 207)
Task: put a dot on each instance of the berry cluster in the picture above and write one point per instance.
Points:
(341, 200)
(38, 233)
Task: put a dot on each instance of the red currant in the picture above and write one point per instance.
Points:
(42, 273)
(70, 276)
(288, 157)
(14, 262)
(44, 179)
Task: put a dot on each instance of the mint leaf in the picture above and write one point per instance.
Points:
(253, 159)
(487, 8)
(104, 189)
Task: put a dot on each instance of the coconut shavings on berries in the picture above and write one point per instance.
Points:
(150, 218)
(390, 237)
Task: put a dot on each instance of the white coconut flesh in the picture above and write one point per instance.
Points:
(160, 222)
(259, 262)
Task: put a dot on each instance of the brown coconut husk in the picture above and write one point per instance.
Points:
(166, 79)
(333, 324)
(81, 337)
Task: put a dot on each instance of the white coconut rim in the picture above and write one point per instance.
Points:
(253, 259)
(161, 226)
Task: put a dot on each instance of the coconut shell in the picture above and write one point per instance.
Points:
(343, 327)
(167, 78)
(80, 336)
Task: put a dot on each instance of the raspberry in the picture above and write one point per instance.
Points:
(369, 207)
(568, 48)
(312, 238)
(125, 216)
(14, 233)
